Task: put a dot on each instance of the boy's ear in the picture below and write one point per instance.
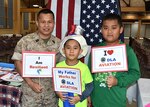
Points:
(81, 51)
(121, 30)
(63, 50)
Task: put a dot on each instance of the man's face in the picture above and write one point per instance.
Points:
(45, 24)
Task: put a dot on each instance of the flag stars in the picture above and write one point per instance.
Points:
(97, 16)
(102, 11)
(98, 6)
(92, 40)
(113, 1)
(96, 35)
(93, 1)
(88, 26)
(84, 2)
(112, 11)
(92, 21)
(100, 31)
(88, 16)
(116, 6)
(92, 30)
(89, 7)
(100, 40)
(87, 35)
(107, 6)
(96, 26)
(103, 1)
(84, 11)
(83, 21)
(93, 11)
(100, 21)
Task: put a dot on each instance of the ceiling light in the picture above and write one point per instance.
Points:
(35, 5)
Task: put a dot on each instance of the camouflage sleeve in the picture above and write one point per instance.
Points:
(59, 57)
(17, 55)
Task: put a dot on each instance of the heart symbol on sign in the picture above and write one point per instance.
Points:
(110, 52)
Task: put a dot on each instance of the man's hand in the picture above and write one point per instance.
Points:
(35, 87)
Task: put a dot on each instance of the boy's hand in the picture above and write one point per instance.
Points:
(62, 95)
(74, 100)
(89, 101)
(111, 81)
(35, 87)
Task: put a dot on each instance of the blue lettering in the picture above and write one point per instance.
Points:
(70, 72)
(59, 71)
(70, 83)
(111, 60)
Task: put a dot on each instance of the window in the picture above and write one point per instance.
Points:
(2, 14)
(6, 14)
(26, 21)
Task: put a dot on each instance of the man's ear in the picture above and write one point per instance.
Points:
(121, 30)
(36, 23)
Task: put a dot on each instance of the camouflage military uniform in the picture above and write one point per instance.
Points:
(32, 42)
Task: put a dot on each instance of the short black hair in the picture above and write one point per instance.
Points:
(45, 11)
(113, 16)
(69, 40)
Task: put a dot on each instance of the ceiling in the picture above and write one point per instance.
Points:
(125, 5)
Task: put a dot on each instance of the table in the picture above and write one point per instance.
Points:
(143, 96)
(132, 93)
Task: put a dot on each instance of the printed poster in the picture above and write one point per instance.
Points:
(109, 58)
(67, 80)
(38, 64)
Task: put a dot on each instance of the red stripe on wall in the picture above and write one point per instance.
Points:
(71, 17)
(59, 18)
(71, 14)
(48, 4)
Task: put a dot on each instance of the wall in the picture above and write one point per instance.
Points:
(18, 23)
(132, 3)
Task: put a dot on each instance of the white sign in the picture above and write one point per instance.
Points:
(109, 58)
(67, 80)
(38, 64)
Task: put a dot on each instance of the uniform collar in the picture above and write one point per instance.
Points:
(51, 40)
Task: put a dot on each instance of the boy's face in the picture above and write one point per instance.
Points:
(72, 50)
(111, 31)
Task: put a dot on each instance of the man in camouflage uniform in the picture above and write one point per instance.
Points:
(38, 92)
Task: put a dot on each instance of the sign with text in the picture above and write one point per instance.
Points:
(38, 64)
(67, 80)
(109, 58)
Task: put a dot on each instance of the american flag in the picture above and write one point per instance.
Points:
(92, 12)
(86, 13)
